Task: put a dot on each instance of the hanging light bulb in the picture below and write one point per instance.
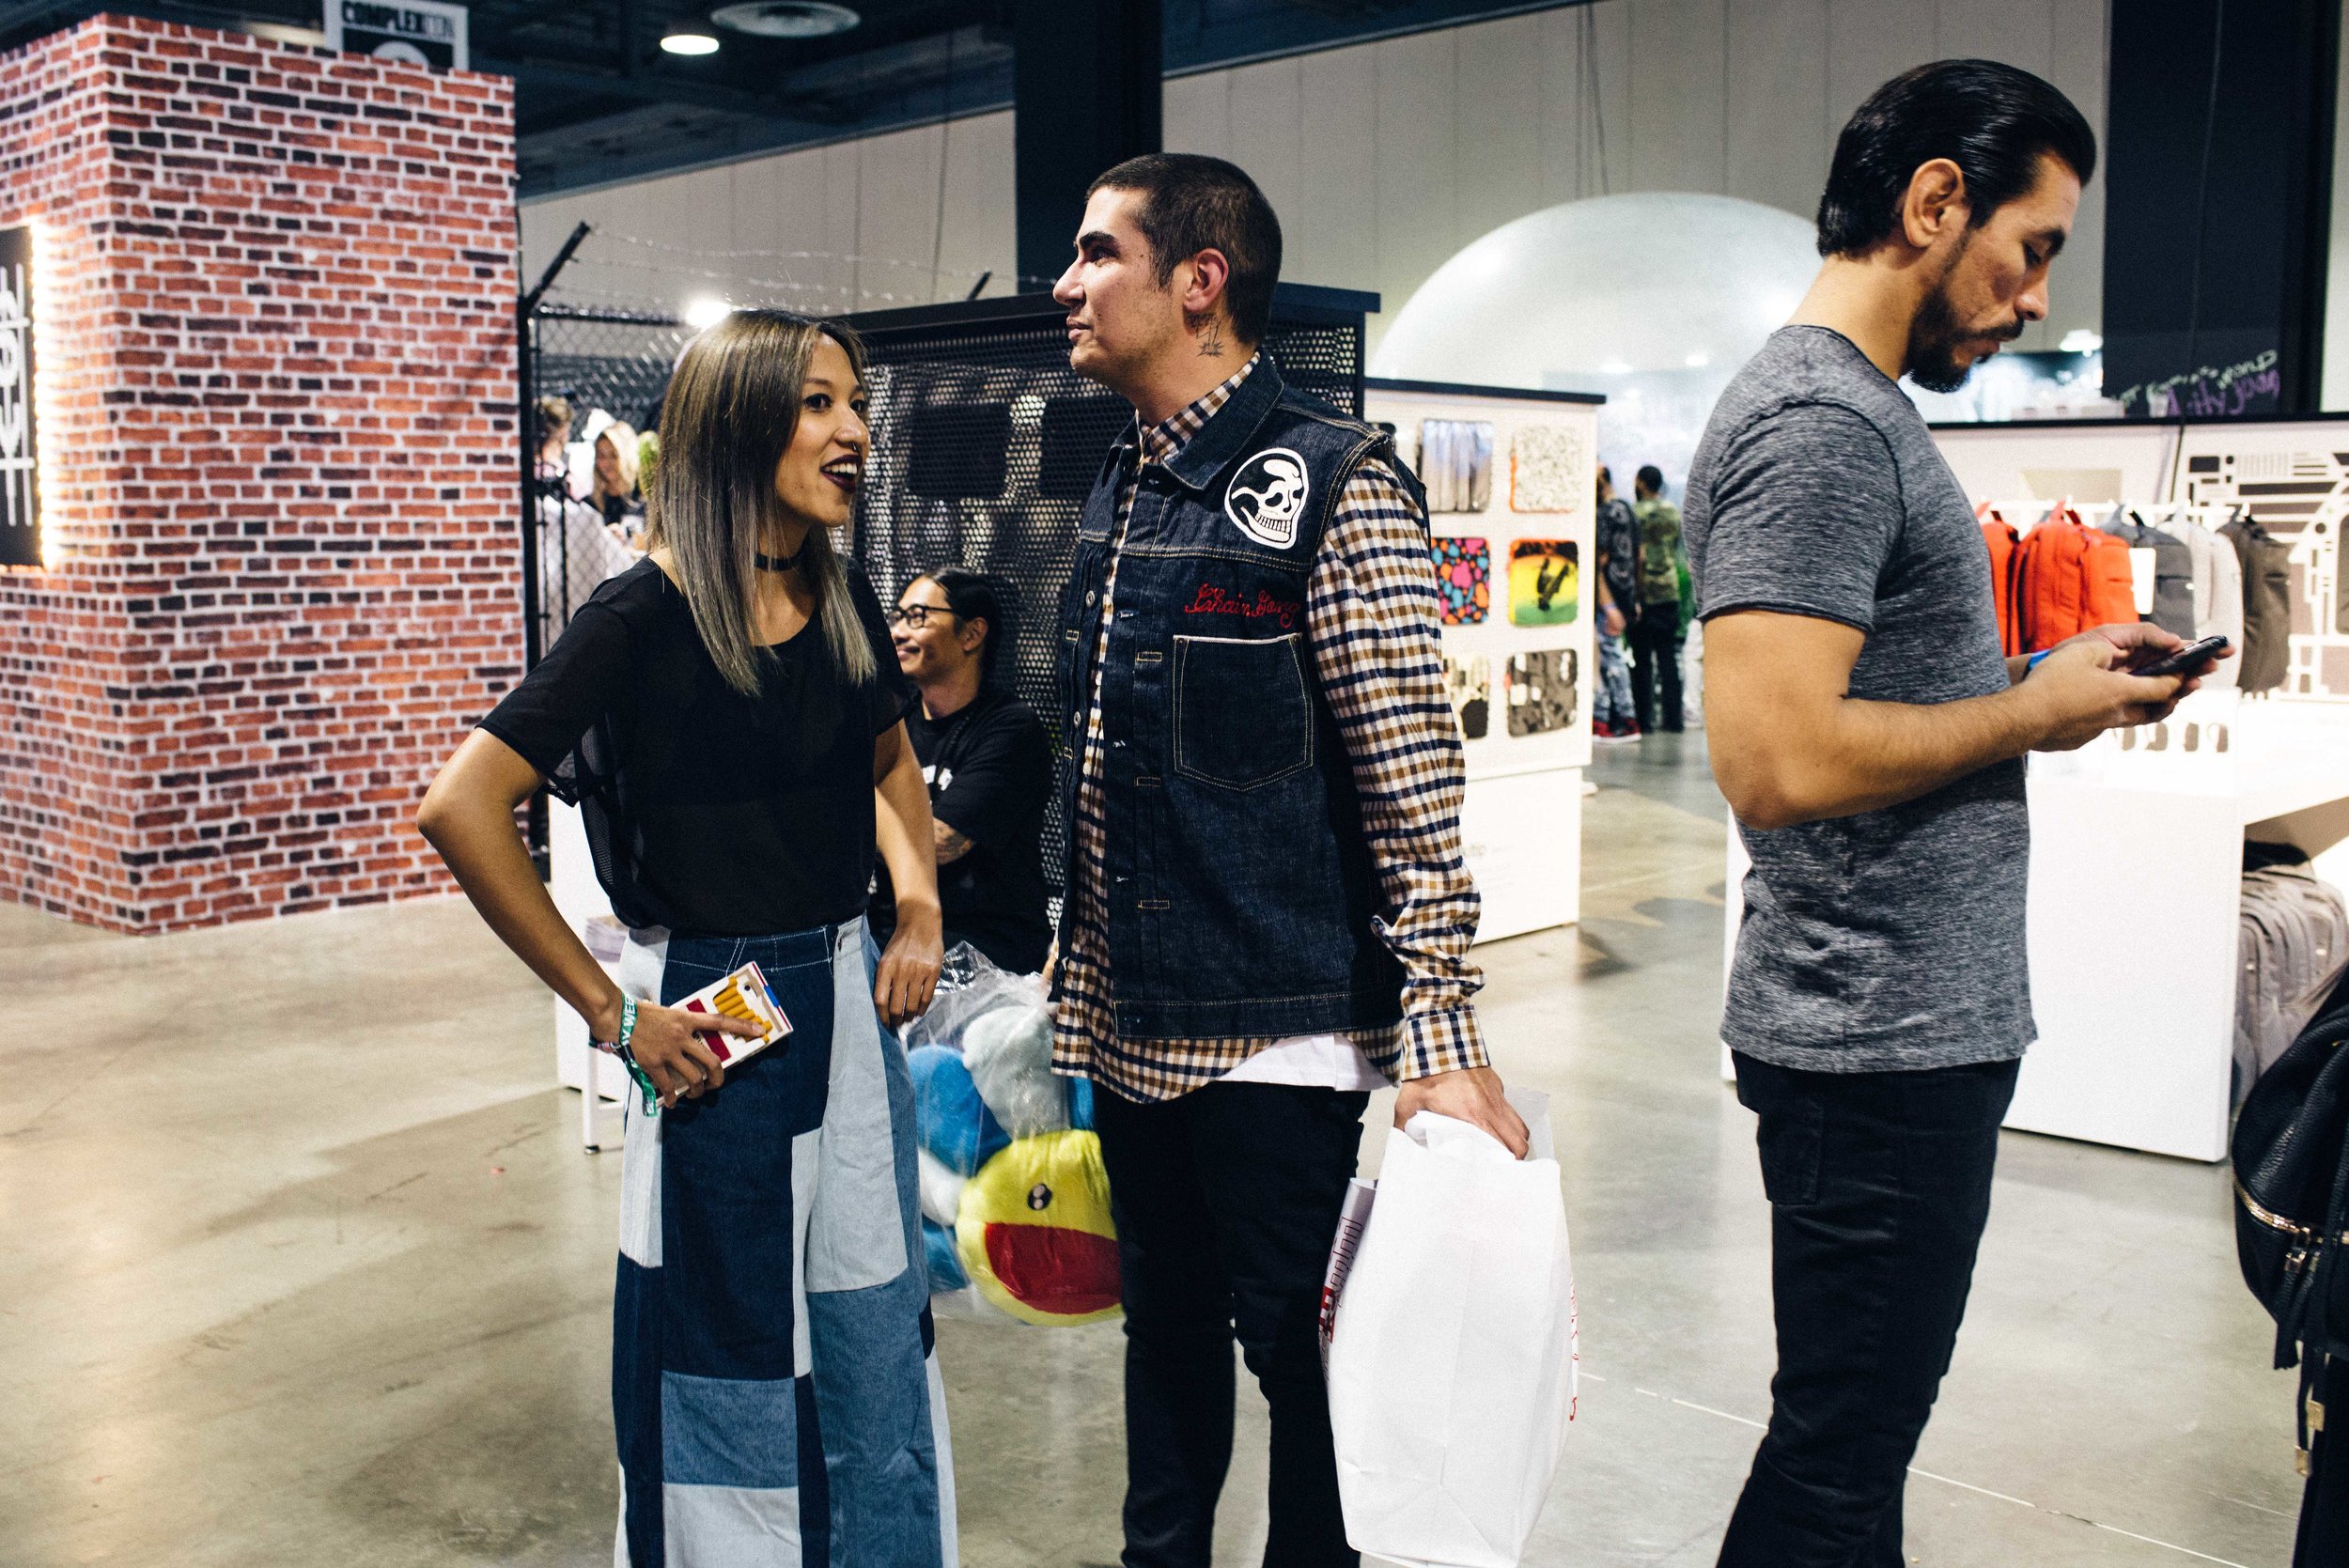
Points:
(690, 44)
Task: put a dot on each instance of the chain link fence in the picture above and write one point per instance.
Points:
(600, 361)
(985, 445)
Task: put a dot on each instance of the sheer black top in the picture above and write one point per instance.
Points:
(709, 811)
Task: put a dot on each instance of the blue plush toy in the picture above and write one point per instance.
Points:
(1015, 1199)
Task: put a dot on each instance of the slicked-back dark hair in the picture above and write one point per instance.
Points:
(976, 595)
(1192, 203)
(1993, 121)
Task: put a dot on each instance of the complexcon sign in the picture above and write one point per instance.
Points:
(406, 32)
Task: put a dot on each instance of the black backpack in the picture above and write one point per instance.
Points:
(2292, 1192)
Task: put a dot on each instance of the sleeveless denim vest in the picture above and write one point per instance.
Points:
(1239, 892)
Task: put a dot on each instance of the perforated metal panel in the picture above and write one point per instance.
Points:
(985, 445)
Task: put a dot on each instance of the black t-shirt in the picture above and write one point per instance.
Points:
(989, 768)
(715, 813)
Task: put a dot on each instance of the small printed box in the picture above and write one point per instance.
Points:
(743, 994)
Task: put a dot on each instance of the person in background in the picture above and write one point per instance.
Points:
(987, 762)
(1614, 717)
(551, 467)
(1656, 631)
(613, 495)
(727, 714)
(1267, 912)
(1869, 736)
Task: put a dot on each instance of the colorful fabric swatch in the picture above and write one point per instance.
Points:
(1469, 683)
(1549, 470)
(1456, 463)
(1545, 583)
(1541, 696)
(1464, 570)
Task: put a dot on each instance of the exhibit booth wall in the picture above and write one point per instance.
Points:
(274, 386)
(1512, 511)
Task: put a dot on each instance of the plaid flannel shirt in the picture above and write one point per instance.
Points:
(1372, 619)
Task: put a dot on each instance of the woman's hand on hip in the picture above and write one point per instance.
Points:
(908, 976)
(667, 1044)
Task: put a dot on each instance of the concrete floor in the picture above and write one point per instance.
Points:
(300, 1262)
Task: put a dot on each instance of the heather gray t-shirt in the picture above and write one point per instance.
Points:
(1892, 938)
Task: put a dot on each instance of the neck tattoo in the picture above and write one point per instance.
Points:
(1211, 344)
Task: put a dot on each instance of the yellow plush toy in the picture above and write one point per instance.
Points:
(1034, 1230)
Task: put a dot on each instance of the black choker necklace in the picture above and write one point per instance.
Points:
(780, 563)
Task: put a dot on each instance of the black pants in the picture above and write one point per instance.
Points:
(1226, 1201)
(1879, 1186)
(1655, 651)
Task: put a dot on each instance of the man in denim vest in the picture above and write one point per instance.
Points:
(1267, 912)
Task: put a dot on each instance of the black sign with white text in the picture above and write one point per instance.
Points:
(412, 32)
(19, 491)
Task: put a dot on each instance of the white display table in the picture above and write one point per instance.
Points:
(2136, 879)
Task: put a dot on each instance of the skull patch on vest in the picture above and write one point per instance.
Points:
(1267, 497)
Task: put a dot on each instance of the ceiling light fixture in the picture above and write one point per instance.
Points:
(787, 18)
(690, 44)
(703, 314)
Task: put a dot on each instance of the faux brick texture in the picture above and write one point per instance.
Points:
(276, 293)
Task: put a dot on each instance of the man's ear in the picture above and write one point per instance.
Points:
(1935, 203)
(1201, 282)
(969, 644)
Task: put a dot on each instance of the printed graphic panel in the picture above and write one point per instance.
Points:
(1464, 576)
(1456, 463)
(1545, 583)
(1549, 470)
(1468, 682)
(1542, 691)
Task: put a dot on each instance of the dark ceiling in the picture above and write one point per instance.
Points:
(598, 100)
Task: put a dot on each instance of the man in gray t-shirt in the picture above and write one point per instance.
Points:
(1869, 736)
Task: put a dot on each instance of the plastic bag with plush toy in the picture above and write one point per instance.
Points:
(1015, 1200)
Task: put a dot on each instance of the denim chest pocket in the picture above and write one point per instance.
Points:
(1242, 715)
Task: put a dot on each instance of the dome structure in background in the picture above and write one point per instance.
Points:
(1654, 298)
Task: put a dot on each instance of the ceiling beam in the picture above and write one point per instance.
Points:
(648, 87)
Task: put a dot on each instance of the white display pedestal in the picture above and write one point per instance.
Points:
(571, 881)
(2135, 888)
(1521, 834)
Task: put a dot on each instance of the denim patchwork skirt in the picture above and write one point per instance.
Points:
(774, 1383)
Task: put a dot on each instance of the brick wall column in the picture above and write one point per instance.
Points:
(278, 458)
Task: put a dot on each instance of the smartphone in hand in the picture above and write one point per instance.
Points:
(2188, 660)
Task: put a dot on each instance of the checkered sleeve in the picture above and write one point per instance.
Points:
(1372, 610)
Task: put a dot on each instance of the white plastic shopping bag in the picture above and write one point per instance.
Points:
(1453, 1347)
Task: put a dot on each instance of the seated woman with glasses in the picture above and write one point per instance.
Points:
(987, 762)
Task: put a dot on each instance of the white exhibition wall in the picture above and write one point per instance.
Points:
(1383, 159)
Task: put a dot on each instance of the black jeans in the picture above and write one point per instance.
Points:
(1879, 1186)
(1655, 651)
(1226, 1201)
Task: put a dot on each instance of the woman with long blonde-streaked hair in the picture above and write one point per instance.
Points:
(728, 715)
